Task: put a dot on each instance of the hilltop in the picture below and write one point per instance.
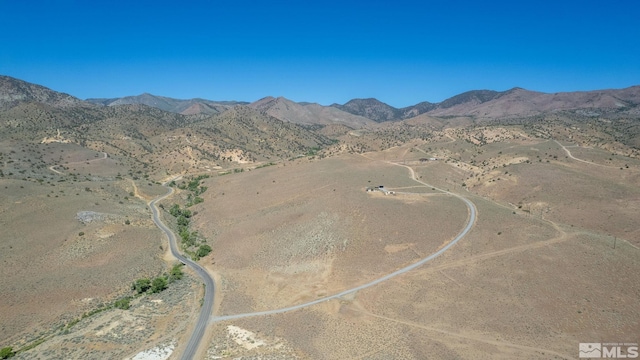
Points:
(14, 91)
(308, 113)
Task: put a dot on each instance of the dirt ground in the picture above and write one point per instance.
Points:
(551, 261)
(73, 239)
(523, 283)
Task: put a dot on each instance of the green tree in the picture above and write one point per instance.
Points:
(6, 352)
(123, 303)
(176, 272)
(141, 285)
(175, 210)
(158, 284)
(203, 250)
(183, 221)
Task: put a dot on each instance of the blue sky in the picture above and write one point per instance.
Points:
(401, 52)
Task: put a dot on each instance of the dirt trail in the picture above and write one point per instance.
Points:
(137, 193)
(465, 335)
(53, 167)
(488, 255)
(576, 159)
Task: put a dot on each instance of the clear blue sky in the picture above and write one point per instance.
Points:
(401, 52)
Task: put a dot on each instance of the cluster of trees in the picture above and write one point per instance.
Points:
(156, 285)
(144, 285)
(195, 189)
(192, 243)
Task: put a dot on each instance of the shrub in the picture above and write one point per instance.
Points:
(158, 284)
(176, 272)
(123, 303)
(203, 250)
(141, 285)
(6, 352)
(175, 210)
(183, 221)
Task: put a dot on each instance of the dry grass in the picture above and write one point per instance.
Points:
(519, 285)
(537, 274)
(52, 273)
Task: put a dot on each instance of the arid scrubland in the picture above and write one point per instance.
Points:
(299, 202)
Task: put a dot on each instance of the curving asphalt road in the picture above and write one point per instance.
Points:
(207, 305)
(470, 221)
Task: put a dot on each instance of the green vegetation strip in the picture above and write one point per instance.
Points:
(192, 243)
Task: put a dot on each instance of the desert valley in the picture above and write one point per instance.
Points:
(491, 225)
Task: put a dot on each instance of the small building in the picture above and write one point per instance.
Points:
(380, 188)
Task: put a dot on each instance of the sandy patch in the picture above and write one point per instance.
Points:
(244, 338)
(161, 352)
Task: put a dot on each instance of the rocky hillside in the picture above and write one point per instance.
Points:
(14, 91)
(307, 113)
(521, 102)
(255, 132)
(516, 102)
(139, 131)
(372, 109)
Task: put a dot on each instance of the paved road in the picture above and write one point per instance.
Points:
(470, 221)
(207, 305)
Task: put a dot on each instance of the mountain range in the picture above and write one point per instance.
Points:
(476, 103)
(185, 107)
(356, 113)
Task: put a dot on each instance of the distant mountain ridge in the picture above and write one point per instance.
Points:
(495, 104)
(356, 113)
(185, 107)
(521, 102)
(238, 134)
(278, 128)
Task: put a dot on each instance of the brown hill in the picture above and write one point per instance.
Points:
(308, 114)
(144, 135)
(372, 109)
(252, 131)
(516, 102)
(521, 102)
